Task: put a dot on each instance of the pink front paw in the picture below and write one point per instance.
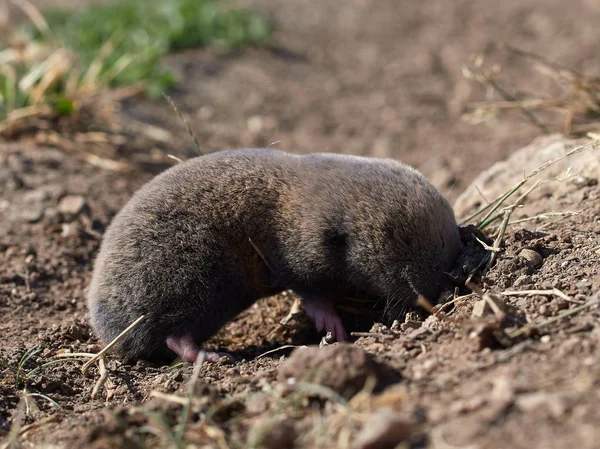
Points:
(186, 348)
(324, 315)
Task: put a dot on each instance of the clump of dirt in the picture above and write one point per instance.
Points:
(343, 368)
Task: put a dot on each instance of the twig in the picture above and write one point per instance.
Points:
(107, 348)
(185, 412)
(488, 247)
(372, 334)
(424, 303)
(259, 252)
(168, 397)
(186, 124)
(489, 79)
(558, 317)
(501, 231)
(277, 350)
(455, 300)
(546, 216)
(494, 205)
(554, 291)
(102, 379)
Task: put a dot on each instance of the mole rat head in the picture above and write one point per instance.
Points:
(416, 247)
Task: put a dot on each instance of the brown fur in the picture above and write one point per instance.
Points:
(329, 225)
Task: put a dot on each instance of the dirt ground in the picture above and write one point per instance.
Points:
(374, 77)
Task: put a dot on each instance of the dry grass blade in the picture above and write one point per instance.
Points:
(109, 346)
(424, 303)
(453, 301)
(552, 292)
(102, 379)
(560, 316)
(185, 412)
(90, 80)
(486, 77)
(500, 200)
(168, 397)
(34, 15)
(546, 216)
(280, 348)
(580, 98)
(261, 255)
(188, 128)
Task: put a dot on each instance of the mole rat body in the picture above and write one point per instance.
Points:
(187, 250)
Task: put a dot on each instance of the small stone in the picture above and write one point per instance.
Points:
(408, 325)
(554, 403)
(545, 310)
(532, 258)
(545, 339)
(71, 206)
(255, 124)
(480, 309)
(272, 434)
(32, 213)
(37, 196)
(584, 181)
(385, 429)
(522, 281)
(559, 304)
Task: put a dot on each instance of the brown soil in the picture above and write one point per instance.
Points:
(376, 77)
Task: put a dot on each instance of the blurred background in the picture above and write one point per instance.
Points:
(384, 78)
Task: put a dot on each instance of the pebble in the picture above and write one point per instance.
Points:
(532, 258)
(32, 213)
(277, 433)
(385, 429)
(71, 206)
(522, 280)
(545, 310)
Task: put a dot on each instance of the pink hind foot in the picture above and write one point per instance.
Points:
(186, 348)
(323, 314)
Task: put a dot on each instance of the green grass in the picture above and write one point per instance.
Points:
(123, 42)
(145, 30)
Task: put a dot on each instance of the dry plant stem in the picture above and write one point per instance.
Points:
(489, 218)
(422, 302)
(374, 334)
(102, 379)
(168, 397)
(501, 231)
(453, 301)
(186, 124)
(185, 412)
(488, 247)
(259, 252)
(175, 158)
(494, 204)
(492, 305)
(594, 143)
(108, 347)
(90, 80)
(474, 288)
(524, 329)
(547, 215)
(508, 97)
(34, 15)
(281, 348)
(512, 207)
(554, 291)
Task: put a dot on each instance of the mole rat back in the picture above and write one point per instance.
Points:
(204, 240)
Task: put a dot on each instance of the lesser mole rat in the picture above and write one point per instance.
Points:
(205, 239)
